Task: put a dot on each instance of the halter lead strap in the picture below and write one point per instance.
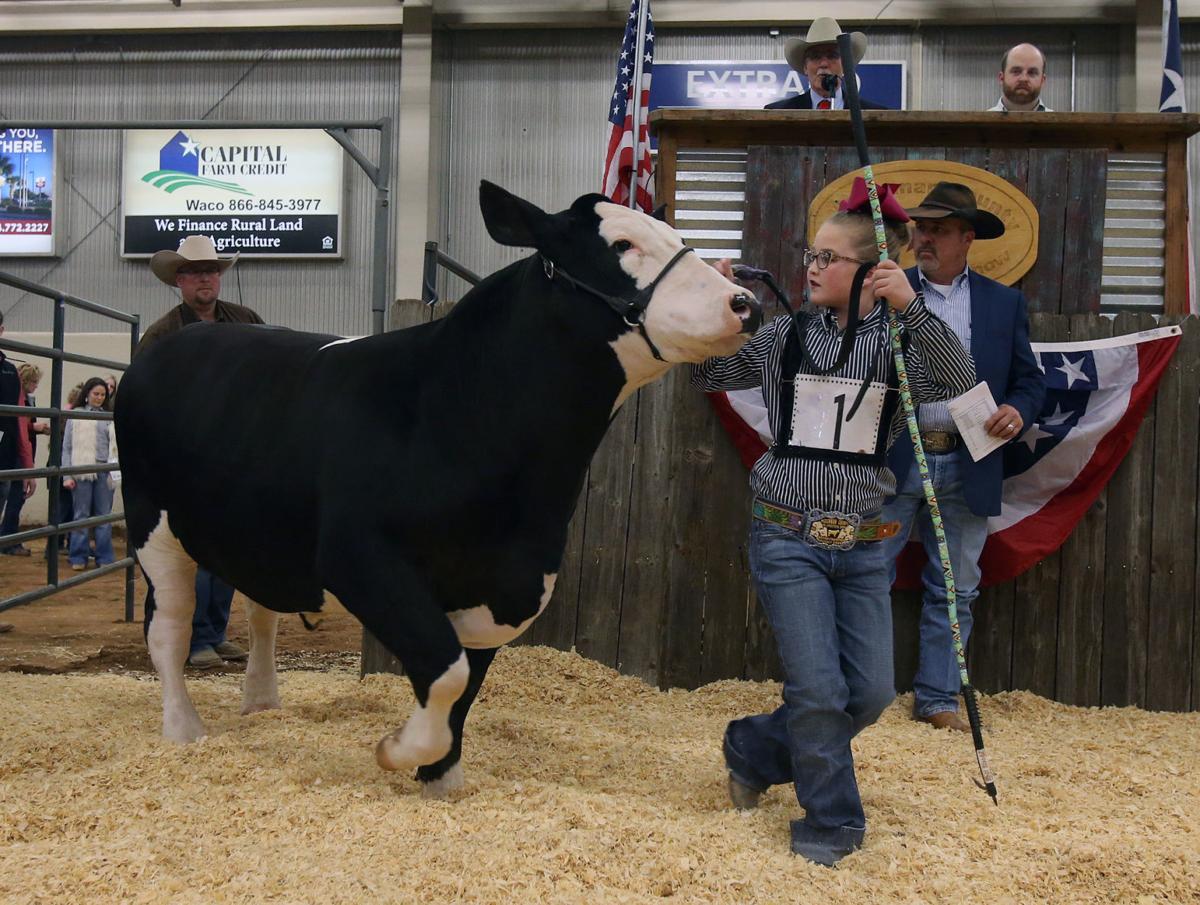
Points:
(631, 310)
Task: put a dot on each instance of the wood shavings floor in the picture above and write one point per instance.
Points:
(582, 786)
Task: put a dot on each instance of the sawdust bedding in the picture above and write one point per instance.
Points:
(581, 786)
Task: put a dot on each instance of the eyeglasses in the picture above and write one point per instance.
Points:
(197, 269)
(824, 257)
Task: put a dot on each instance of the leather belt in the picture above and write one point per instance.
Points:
(830, 530)
(939, 441)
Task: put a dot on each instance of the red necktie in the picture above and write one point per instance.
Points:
(825, 104)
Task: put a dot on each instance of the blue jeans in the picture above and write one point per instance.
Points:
(214, 599)
(831, 613)
(937, 682)
(93, 497)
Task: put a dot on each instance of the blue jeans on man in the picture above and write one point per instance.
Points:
(93, 497)
(214, 601)
(831, 614)
(937, 682)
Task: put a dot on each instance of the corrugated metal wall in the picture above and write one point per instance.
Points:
(325, 296)
(521, 108)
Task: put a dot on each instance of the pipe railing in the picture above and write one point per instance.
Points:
(54, 470)
(434, 258)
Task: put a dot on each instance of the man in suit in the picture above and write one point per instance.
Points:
(818, 59)
(992, 322)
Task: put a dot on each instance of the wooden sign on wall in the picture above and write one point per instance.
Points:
(1005, 259)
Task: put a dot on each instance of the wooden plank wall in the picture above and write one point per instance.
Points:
(655, 579)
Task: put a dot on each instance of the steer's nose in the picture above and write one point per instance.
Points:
(748, 311)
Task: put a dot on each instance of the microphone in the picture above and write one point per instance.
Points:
(829, 82)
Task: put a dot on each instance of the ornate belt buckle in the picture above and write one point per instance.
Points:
(832, 530)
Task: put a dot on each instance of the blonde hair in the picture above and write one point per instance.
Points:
(29, 374)
(861, 228)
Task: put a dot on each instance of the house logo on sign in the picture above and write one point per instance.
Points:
(327, 243)
(179, 167)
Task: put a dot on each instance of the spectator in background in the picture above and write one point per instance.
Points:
(819, 60)
(1022, 78)
(15, 451)
(111, 382)
(31, 376)
(90, 442)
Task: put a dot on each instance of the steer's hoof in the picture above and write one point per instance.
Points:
(250, 707)
(405, 749)
(450, 781)
(184, 731)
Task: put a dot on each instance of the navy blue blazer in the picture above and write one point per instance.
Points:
(1003, 358)
(804, 102)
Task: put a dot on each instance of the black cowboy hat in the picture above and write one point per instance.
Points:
(952, 199)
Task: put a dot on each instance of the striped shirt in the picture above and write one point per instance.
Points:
(938, 368)
(955, 309)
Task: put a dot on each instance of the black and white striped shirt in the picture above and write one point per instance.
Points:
(938, 368)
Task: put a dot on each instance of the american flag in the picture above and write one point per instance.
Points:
(618, 162)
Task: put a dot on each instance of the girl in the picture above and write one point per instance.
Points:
(90, 443)
(820, 575)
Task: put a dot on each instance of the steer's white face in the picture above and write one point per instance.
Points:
(692, 315)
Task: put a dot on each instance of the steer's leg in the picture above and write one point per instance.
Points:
(172, 574)
(260, 690)
(443, 777)
(394, 603)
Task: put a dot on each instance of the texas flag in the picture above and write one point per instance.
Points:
(1097, 393)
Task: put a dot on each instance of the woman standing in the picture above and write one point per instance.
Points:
(831, 392)
(90, 442)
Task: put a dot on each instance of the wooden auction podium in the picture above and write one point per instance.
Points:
(1110, 189)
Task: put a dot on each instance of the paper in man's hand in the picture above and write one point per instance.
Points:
(970, 412)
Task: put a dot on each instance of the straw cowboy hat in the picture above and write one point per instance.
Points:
(192, 250)
(952, 199)
(822, 31)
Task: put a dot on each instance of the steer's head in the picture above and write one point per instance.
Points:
(693, 312)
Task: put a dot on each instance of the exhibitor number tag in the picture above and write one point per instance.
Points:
(824, 415)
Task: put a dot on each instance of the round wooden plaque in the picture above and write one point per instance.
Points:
(1005, 260)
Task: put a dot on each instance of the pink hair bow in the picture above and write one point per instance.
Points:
(889, 204)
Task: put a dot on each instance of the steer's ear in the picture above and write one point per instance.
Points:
(510, 220)
(660, 212)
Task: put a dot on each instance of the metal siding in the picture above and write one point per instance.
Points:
(960, 65)
(324, 296)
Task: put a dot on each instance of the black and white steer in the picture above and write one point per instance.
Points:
(424, 477)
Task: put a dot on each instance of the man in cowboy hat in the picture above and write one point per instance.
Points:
(818, 59)
(991, 321)
(196, 270)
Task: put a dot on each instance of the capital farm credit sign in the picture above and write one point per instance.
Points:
(263, 193)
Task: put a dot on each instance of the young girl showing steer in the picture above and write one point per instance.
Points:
(830, 386)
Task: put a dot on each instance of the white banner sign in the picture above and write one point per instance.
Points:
(263, 193)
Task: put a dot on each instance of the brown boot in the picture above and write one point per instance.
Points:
(946, 719)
